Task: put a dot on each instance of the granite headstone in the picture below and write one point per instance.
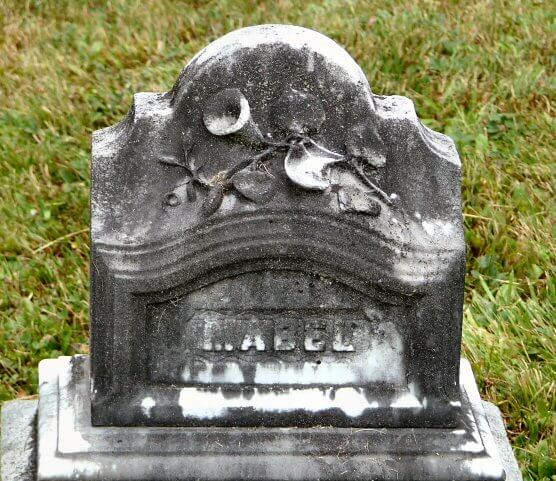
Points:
(277, 284)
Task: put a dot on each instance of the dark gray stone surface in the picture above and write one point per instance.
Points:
(271, 232)
(18, 440)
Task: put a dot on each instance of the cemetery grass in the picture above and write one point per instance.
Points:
(478, 71)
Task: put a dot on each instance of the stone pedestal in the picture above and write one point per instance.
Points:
(70, 448)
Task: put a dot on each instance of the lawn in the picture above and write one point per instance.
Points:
(482, 72)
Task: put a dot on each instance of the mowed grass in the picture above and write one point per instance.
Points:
(482, 72)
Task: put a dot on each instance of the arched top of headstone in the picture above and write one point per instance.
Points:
(277, 122)
(276, 43)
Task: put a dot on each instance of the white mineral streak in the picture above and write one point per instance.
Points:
(146, 406)
(71, 440)
(230, 202)
(204, 404)
(484, 468)
(68, 468)
(208, 329)
(340, 346)
(469, 447)
(255, 341)
(229, 373)
(399, 108)
(437, 227)
(311, 62)
(151, 105)
(409, 399)
(406, 400)
(298, 38)
(446, 228)
(285, 373)
(229, 124)
(396, 107)
(429, 227)
(223, 125)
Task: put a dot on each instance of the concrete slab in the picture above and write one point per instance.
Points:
(18, 446)
(498, 428)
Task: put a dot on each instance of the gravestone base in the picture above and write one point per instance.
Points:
(70, 448)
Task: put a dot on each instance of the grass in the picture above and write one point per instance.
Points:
(481, 71)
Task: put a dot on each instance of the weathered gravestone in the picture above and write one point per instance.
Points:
(277, 284)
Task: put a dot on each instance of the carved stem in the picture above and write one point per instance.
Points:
(246, 163)
(324, 149)
(368, 182)
(174, 163)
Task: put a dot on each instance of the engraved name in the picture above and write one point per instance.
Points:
(310, 336)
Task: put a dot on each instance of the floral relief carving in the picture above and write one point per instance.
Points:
(307, 163)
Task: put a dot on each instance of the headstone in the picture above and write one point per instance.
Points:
(277, 284)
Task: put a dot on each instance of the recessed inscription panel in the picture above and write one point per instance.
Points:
(315, 343)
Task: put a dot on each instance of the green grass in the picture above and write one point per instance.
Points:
(482, 72)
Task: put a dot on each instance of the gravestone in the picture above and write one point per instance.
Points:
(277, 284)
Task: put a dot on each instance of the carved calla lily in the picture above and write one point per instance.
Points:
(310, 167)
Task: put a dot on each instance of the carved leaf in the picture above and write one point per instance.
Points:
(213, 200)
(256, 186)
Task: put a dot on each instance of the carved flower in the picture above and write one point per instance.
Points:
(228, 113)
(306, 162)
(309, 168)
